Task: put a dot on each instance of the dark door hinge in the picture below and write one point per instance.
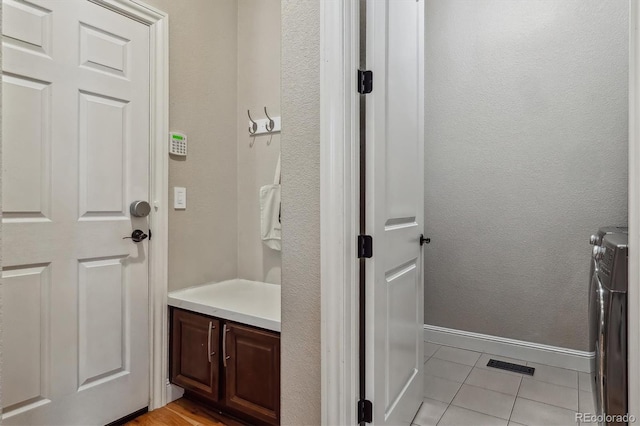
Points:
(365, 411)
(365, 81)
(365, 246)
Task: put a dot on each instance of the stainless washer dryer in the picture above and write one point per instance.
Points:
(596, 240)
(594, 313)
(608, 324)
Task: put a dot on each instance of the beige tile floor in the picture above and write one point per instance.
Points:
(461, 390)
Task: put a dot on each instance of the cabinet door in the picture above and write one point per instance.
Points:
(195, 360)
(252, 370)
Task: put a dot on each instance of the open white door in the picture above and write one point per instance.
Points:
(394, 209)
(75, 155)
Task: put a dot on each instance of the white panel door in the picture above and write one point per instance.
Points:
(394, 209)
(75, 155)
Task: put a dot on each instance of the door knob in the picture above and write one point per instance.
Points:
(139, 209)
(424, 240)
(137, 236)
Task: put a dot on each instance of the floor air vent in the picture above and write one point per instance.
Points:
(516, 368)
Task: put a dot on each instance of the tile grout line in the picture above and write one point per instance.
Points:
(497, 371)
(526, 376)
(453, 362)
(553, 384)
(453, 347)
(542, 381)
(428, 375)
(417, 412)
(491, 390)
(526, 363)
(445, 412)
(546, 403)
(430, 356)
(516, 398)
(552, 366)
(442, 415)
(475, 411)
(448, 379)
(457, 392)
(517, 395)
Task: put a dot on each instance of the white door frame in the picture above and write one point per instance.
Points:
(339, 209)
(634, 209)
(158, 23)
(339, 189)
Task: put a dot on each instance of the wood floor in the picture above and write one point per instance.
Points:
(183, 413)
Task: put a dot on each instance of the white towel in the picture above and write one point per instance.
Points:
(270, 212)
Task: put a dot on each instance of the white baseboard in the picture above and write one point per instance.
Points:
(174, 392)
(510, 348)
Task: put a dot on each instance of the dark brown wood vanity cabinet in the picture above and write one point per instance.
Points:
(195, 357)
(234, 367)
(252, 371)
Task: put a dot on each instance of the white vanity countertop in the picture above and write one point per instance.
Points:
(247, 302)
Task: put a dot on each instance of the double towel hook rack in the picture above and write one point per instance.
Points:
(253, 128)
(262, 126)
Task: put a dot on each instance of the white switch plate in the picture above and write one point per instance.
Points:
(179, 197)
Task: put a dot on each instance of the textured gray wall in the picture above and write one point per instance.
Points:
(203, 95)
(300, 212)
(526, 156)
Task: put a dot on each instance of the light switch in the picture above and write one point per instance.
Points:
(179, 197)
